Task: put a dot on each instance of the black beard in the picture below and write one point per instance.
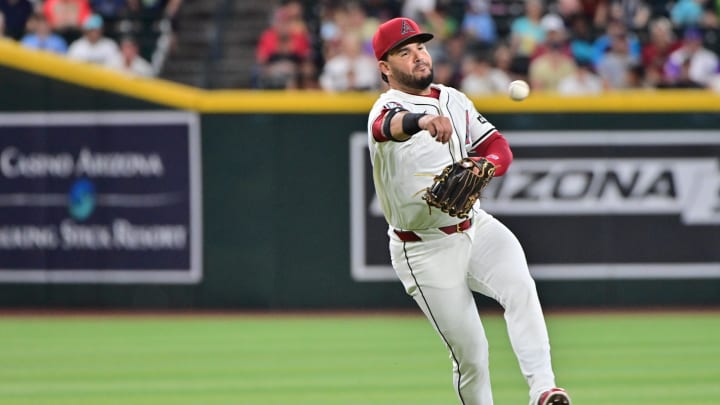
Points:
(411, 82)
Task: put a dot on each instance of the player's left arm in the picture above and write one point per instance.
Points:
(497, 150)
(486, 141)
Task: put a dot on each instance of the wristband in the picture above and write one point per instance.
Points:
(386, 124)
(411, 123)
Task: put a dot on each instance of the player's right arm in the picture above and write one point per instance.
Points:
(394, 123)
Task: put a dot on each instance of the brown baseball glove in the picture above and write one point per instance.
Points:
(459, 185)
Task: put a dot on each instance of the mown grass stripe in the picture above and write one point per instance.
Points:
(624, 359)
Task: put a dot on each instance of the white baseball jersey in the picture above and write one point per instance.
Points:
(439, 270)
(403, 170)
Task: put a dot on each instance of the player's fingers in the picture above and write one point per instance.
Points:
(444, 130)
(441, 135)
(442, 138)
(437, 129)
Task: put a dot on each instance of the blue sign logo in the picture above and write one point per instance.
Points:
(81, 199)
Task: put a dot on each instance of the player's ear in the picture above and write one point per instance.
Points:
(384, 67)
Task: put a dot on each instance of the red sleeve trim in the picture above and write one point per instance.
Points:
(497, 150)
(377, 127)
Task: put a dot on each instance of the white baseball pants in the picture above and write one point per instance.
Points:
(440, 271)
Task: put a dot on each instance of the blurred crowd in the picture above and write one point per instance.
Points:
(118, 34)
(569, 46)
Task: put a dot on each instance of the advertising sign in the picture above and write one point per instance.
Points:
(95, 197)
(584, 204)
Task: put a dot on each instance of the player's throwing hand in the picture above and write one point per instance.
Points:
(438, 126)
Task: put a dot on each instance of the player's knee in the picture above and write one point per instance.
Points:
(472, 352)
(474, 367)
(522, 293)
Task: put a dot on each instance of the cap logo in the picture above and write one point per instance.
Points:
(405, 28)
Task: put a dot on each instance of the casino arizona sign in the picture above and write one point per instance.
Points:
(15, 163)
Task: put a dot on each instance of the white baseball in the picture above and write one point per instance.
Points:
(518, 90)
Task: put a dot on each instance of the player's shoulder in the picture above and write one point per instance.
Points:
(453, 93)
(388, 100)
(445, 89)
(392, 95)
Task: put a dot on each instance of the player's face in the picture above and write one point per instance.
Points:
(410, 66)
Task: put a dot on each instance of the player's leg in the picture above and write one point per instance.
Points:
(434, 274)
(498, 269)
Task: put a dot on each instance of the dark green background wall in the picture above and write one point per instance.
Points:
(276, 213)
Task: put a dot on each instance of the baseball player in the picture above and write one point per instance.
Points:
(416, 129)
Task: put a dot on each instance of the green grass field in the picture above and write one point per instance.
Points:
(619, 359)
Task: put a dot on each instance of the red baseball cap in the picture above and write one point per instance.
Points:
(395, 32)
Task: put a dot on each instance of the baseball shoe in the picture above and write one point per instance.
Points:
(554, 396)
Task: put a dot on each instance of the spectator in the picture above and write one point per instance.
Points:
(479, 25)
(451, 57)
(582, 82)
(93, 47)
(155, 10)
(281, 51)
(691, 62)
(383, 10)
(417, 9)
(361, 25)
(683, 79)
(687, 13)
(350, 17)
(637, 78)
(330, 31)
(16, 14)
(351, 69)
(2, 25)
(657, 50)
(569, 9)
(40, 36)
(66, 17)
(581, 39)
(503, 60)
(109, 8)
(614, 29)
(555, 36)
(480, 77)
(525, 35)
(633, 13)
(445, 72)
(714, 84)
(294, 12)
(111, 11)
(308, 79)
(152, 16)
(597, 11)
(130, 60)
(441, 23)
(546, 71)
(615, 65)
(711, 15)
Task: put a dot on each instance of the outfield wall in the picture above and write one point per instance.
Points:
(243, 199)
